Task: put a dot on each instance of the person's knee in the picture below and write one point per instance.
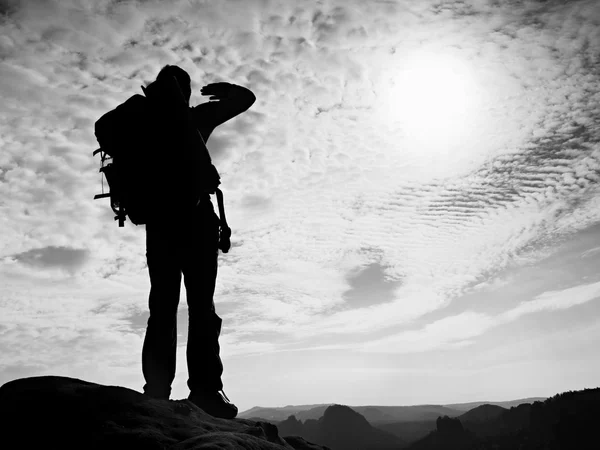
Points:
(202, 312)
(204, 319)
(162, 320)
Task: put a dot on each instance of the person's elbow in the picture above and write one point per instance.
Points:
(249, 98)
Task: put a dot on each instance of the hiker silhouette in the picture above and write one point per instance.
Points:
(185, 241)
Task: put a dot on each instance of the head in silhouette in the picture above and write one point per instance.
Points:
(182, 77)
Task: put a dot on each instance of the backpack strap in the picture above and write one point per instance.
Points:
(103, 195)
(225, 232)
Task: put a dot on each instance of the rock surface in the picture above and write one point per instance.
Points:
(60, 412)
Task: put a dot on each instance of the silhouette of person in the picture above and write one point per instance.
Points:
(185, 241)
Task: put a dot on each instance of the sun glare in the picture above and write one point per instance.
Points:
(432, 99)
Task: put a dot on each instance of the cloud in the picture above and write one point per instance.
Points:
(8, 8)
(322, 181)
(49, 257)
(65, 325)
(368, 287)
(449, 333)
(460, 330)
(591, 252)
(556, 300)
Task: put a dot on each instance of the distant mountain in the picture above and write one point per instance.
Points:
(341, 428)
(506, 404)
(449, 434)
(508, 421)
(565, 421)
(408, 431)
(483, 420)
(483, 413)
(293, 427)
(485, 423)
(277, 414)
(480, 419)
(313, 413)
(382, 414)
(377, 414)
(373, 414)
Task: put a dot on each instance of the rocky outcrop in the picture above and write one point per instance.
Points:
(67, 413)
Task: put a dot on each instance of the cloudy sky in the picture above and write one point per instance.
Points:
(414, 196)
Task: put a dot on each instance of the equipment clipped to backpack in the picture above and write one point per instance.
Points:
(108, 170)
(132, 166)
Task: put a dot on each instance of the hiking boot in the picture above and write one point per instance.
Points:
(214, 403)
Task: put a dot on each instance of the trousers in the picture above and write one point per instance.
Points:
(188, 246)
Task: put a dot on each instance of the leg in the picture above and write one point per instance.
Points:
(160, 343)
(200, 273)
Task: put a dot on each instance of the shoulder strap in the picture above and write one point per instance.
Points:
(225, 235)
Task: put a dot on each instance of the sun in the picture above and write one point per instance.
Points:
(432, 99)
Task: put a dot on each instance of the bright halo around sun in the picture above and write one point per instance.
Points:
(433, 101)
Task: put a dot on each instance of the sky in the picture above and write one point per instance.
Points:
(414, 195)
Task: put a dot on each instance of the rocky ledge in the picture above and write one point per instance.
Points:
(60, 412)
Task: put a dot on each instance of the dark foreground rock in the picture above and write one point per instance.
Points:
(59, 412)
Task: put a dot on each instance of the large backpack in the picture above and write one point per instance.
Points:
(152, 154)
(142, 180)
(121, 136)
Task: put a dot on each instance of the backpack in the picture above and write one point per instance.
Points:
(120, 135)
(133, 138)
(131, 159)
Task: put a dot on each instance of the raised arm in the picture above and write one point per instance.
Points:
(227, 101)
